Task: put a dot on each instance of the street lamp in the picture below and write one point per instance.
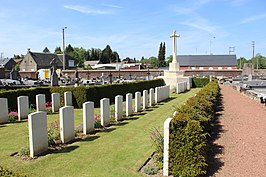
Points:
(64, 62)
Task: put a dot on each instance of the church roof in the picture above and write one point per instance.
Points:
(207, 60)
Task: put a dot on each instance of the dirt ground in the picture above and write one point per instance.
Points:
(239, 147)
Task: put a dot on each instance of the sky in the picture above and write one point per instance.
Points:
(134, 28)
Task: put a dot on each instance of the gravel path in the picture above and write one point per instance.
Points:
(240, 145)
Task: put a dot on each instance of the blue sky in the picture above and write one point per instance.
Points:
(134, 28)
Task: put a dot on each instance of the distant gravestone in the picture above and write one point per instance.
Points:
(68, 98)
(129, 109)
(40, 102)
(54, 77)
(145, 99)
(38, 137)
(88, 117)
(118, 107)
(55, 102)
(137, 101)
(3, 110)
(23, 107)
(157, 95)
(105, 111)
(67, 130)
(151, 97)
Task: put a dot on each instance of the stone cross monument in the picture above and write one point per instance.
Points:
(174, 65)
(53, 76)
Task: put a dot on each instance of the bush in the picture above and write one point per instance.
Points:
(199, 82)
(53, 134)
(150, 170)
(12, 116)
(189, 130)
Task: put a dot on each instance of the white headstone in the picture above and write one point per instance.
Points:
(166, 147)
(68, 98)
(151, 97)
(88, 117)
(105, 111)
(157, 95)
(3, 110)
(129, 109)
(118, 107)
(23, 107)
(40, 102)
(67, 129)
(137, 101)
(55, 102)
(145, 99)
(38, 136)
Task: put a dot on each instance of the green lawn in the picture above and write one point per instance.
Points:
(119, 151)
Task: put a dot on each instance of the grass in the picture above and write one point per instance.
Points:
(119, 151)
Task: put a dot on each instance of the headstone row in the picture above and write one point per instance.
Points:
(181, 87)
(162, 93)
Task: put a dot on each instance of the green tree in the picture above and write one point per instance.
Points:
(46, 50)
(154, 62)
(58, 50)
(169, 60)
(69, 49)
(161, 55)
(106, 55)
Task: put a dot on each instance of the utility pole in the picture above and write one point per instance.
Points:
(2, 55)
(64, 58)
(253, 47)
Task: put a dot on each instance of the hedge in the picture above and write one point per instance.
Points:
(189, 130)
(81, 94)
(199, 82)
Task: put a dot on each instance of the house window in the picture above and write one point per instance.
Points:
(200, 67)
(210, 68)
(71, 63)
(193, 68)
(220, 68)
(229, 68)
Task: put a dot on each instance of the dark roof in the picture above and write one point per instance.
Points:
(44, 59)
(207, 60)
(4, 61)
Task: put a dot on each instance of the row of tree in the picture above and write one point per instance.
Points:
(107, 55)
(259, 62)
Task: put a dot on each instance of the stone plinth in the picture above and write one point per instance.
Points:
(38, 137)
(173, 77)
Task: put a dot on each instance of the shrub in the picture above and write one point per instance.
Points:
(53, 133)
(24, 152)
(158, 142)
(97, 122)
(189, 130)
(199, 82)
(12, 116)
(150, 170)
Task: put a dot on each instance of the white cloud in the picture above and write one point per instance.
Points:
(88, 10)
(200, 23)
(113, 6)
(253, 18)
